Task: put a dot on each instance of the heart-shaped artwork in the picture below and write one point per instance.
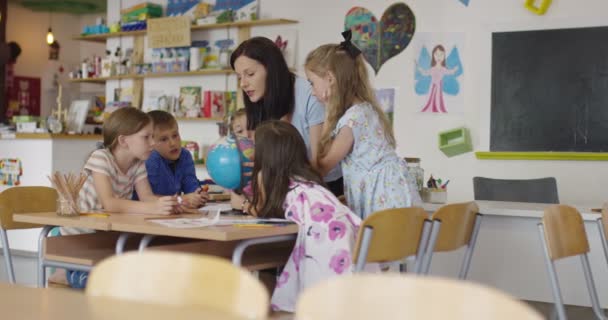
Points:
(380, 41)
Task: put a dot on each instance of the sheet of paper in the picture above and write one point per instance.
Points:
(183, 223)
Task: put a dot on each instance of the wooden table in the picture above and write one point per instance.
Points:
(17, 302)
(509, 255)
(128, 224)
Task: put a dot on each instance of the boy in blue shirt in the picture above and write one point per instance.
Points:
(170, 167)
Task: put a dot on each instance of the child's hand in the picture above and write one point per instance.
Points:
(248, 164)
(195, 199)
(166, 205)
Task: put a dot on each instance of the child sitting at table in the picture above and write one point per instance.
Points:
(286, 186)
(170, 167)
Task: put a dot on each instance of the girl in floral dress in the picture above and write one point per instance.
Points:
(357, 133)
(286, 186)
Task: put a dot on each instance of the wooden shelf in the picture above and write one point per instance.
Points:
(238, 24)
(204, 72)
(200, 119)
(58, 136)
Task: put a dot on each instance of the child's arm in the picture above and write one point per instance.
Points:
(339, 149)
(315, 136)
(110, 203)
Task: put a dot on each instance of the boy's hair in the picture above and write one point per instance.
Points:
(352, 84)
(237, 114)
(123, 122)
(280, 156)
(278, 99)
(162, 120)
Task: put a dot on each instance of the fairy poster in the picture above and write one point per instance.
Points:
(439, 72)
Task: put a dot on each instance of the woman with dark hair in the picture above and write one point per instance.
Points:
(272, 92)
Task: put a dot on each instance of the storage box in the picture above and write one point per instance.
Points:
(432, 195)
(456, 141)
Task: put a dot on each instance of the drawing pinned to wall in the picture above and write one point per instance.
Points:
(386, 99)
(465, 2)
(381, 40)
(438, 70)
(10, 171)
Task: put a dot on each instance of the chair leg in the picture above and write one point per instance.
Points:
(7, 256)
(363, 251)
(595, 302)
(422, 245)
(466, 262)
(41, 263)
(557, 295)
(600, 228)
(426, 263)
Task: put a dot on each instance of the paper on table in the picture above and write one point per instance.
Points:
(217, 207)
(184, 223)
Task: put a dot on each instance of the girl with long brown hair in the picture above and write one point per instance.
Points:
(285, 185)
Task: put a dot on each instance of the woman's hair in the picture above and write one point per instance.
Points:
(280, 156)
(278, 99)
(433, 61)
(123, 122)
(352, 84)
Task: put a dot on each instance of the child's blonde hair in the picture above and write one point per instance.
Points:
(123, 122)
(237, 114)
(352, 84)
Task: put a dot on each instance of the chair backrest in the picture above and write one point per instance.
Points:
(182, 280)
(24, 200)
(542, 190)
(457, 222)
(395, 296)
(397, 234)
(564, 232)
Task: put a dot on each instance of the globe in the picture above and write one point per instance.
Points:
(224, 161)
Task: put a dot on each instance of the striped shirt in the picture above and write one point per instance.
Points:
(102, 161)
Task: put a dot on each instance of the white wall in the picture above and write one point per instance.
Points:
(578, 182)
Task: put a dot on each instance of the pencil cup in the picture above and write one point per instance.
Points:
(67, 208)
(432, 195)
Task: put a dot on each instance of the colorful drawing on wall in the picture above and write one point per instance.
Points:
(10, 171)
(465, 2)
(386, 99)
(439, 70)
(243, 9)
(381, 40)
(24, 97)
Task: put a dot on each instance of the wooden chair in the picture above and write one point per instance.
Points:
(21, 200)
(543, 190)
(454, 226)
(562, 233)
(391, 235)
(180, 279)
(397, 296)
(602, 225)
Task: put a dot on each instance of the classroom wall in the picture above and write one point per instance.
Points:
(322, 22)
(29, 29)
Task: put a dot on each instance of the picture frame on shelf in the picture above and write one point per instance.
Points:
(77, 115)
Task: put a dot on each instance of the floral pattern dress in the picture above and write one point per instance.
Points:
(324, 245)
(375, 178)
